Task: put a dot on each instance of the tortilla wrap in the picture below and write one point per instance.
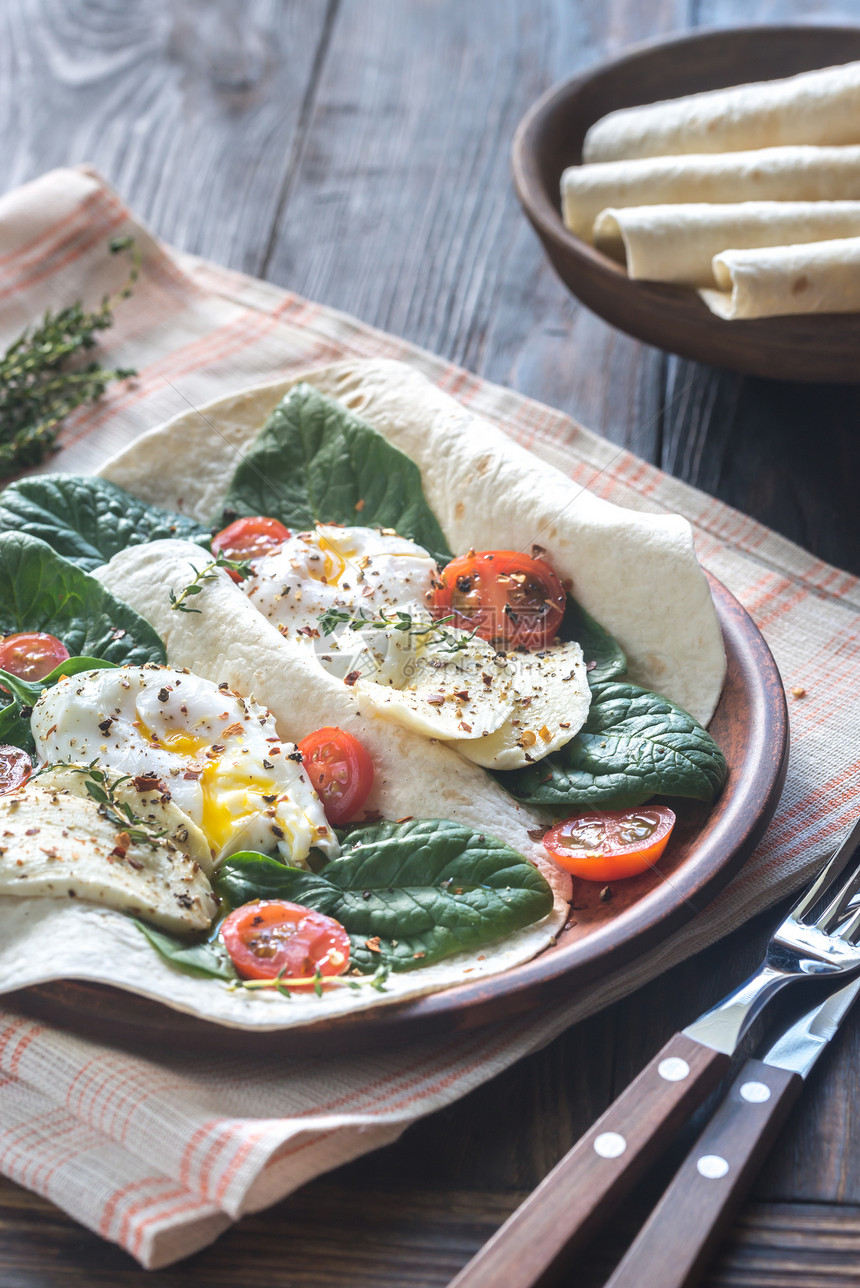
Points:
(821, 106)
(635, 573)
(799, 173)
(821, 277)
(678, 243)
(231, 641)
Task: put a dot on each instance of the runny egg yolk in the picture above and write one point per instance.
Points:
(220, 786)
(334, 563)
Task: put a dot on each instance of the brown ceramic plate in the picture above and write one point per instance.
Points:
(709, 844)
(549, 139)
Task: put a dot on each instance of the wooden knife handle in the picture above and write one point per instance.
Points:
(533, 1247)
(673, 1246)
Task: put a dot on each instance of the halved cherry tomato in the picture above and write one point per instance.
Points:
(15, 768)
(340, 770)
(272, 937)
(31, 655)
(507, 598)
(608, 845)
(249, 538)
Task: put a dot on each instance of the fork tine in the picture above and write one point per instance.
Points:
(829, 875)
(850, 931)
(836, 909)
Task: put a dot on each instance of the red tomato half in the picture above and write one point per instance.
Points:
(507, 598)
(15, 768)
(31, 655)
(272, 937)
(249, 538)
(608, 845)
(340, 770)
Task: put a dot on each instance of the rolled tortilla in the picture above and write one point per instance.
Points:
(678, 243)
(821, 277)
(636, 573)
(821, 107)
(771, 174)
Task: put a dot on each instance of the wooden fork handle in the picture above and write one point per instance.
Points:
(534, 1245)
(673, 1246)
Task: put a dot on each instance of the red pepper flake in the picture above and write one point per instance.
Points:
(32, 831)
(436, 699)
(417, 955)
(352, 678)
(233, 730)
(359, 505)
(407, 818)
(148, 783)
(467, 728)
(537, 833)
(373, 944)
(192, 774)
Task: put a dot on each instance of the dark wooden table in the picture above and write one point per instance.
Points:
(356, 151)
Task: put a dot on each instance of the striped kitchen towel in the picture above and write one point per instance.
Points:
(160, 1155)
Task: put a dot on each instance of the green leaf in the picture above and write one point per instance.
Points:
(41, 591)
(602, 652)
(207, 958)
(633, 746)
(87, 520)
(427, 888)
(316, 462)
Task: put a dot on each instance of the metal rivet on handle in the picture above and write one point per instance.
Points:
(755, 1092)
(673, 1069)
(712, 1167)
(609, 1144)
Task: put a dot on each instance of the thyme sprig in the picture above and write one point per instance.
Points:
(201, 575)
(281, 982)
(398, 621)
(103, 790)
(40, 382)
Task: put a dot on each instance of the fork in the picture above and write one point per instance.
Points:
(536, 1242)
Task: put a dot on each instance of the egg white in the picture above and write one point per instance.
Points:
(217, 753)
(503, 710)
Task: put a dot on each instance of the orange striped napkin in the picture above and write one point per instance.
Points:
(160, 1156)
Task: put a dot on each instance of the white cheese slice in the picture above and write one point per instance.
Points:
(551, 700)
(55, 842)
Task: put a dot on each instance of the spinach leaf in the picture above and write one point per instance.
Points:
(42, 591)
(633, 745)
(15, 718)
(87, 520)
(206, 958)
(314, 461)
(601, 651)
(423, 889)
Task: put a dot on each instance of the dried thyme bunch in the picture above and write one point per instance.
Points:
(40, 383)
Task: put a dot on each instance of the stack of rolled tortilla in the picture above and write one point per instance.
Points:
(750, 194)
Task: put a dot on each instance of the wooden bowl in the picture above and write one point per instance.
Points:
(550, 137)
(707, 847)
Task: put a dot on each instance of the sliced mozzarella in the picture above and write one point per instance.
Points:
(55, 841)
(465, 694)
(218, 755)
(551, 701)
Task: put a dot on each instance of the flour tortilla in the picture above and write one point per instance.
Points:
(635, 573)
(230, 641)
(678, 243)
(798, 173)
(822, 277)
(821, 106)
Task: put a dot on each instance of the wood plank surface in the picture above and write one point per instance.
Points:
(356, 151)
